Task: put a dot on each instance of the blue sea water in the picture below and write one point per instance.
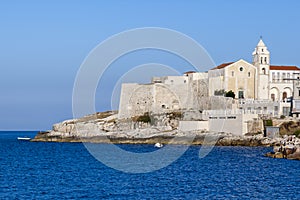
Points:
(67, 171)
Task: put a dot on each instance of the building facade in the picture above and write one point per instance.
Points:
(258, 80)
(259, 87)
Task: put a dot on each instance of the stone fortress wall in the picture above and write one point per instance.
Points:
(164, 94)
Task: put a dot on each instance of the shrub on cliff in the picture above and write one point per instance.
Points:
(297, 133)
(144, 118)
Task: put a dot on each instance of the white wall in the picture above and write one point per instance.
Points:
(175, 80)
(235, 123)
(193, 125)
(126, 90)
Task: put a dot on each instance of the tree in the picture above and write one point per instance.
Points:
(219, 92)
(230, 93)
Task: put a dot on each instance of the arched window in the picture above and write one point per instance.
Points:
(261, 60)
(273, 97)
(249, 74)
(265, 60)
(284, 96)
(263, 70)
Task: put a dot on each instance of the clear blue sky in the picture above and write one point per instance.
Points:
(43, 44)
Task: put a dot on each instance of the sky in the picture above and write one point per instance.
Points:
(44, 43)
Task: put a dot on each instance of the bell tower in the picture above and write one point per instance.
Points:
(261, 60)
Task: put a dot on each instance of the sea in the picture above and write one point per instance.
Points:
(44, 170)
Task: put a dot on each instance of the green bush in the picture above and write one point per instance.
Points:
(144, 118)
(297, 133)
(219, 92)
(268, 122)
(230, 94)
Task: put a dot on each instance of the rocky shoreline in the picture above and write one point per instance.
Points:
(220, 139)
(106, 128)
(251, 141)
(287, 148)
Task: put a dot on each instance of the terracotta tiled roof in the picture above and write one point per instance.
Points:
(275, 67)
(272, 67)
(223, 65)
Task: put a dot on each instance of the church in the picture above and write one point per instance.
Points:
(259, 80)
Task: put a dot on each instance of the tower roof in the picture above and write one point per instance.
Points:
(261, 43)
(261, 48)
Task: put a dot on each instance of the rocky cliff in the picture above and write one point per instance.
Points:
(106, 127)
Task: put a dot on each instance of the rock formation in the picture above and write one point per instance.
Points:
(145, 129)
(288, 147)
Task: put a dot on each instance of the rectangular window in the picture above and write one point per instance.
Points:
(283, 77)
(241, 94)
(299, 93)
(286, 111)
(232, 73)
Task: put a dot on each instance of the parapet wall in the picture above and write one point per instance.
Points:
(237, 123)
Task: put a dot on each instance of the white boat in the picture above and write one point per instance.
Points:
(24, 138)
(158, 145)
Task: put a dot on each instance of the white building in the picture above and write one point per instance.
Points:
(261, 87)
(259, 80)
